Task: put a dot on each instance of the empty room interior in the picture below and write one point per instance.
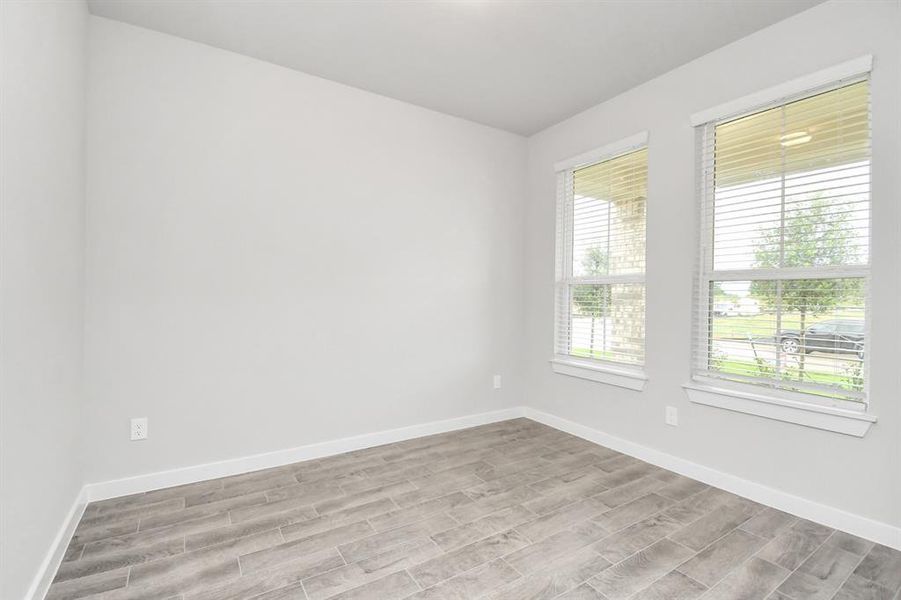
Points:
(450, 299)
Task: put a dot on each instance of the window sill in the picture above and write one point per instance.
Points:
(839, 420)
(633, 379)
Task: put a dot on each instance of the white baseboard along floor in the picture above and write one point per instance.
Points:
(882, 533)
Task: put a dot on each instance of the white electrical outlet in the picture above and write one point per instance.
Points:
(672, 416)
(139, 429)
(497, 382)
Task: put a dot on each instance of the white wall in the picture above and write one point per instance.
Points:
(858, 475)
(41, 278)
(275, 260)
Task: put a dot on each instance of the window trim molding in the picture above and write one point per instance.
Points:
(614, 373)
(790, 406)
(857, 67)
(771, 406)
(605, 152)
(594, 370)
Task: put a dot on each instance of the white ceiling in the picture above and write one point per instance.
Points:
(520, 65)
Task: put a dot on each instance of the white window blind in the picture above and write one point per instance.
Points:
(785, 242)
(600, 282)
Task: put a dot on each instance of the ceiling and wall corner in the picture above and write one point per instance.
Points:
(517, 65)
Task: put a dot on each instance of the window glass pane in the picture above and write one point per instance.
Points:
(607, 322)
(792, 184)
(609, 217)
(805, 333)
(789, 188)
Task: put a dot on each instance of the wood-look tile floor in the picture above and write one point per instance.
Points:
(508, 510)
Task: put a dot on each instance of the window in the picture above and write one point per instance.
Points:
(782, 289)
(600, 289)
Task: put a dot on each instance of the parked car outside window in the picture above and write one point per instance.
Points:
(724, 309)
(841, 336)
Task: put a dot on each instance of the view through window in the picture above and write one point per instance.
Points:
(601, 290)
(786, 250)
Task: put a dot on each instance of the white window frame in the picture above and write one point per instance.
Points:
(838, 415)
(603, 371)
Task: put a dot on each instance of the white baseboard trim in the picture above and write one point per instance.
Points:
(836, 518)
(236, 466)
(808, 509)
(93, 492)
(44, 577)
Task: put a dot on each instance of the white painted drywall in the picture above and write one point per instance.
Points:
(41, 278)
(275, 260)
(858, 475)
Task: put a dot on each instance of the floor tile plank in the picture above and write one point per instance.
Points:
(792, 547)
(359, 573)
(471, 584)
(377, 542)
(882, 565)
(278, 553)
(531, 558)
(719, 558)
(860, 588)
(468, 557)
(554, 578)
(640, 570)
(820, 576)
(392, 587)
(504, 519)
(755, 579)
(672, 586)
